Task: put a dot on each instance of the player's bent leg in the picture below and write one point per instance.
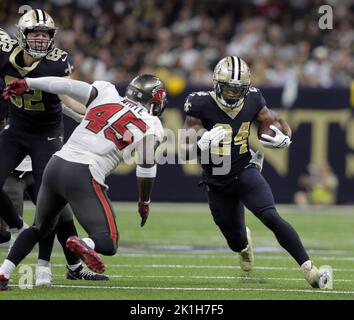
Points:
(254, 186)
(93, 211)
(49, 205)
(76, 271)
(228, 214)
(86, 254)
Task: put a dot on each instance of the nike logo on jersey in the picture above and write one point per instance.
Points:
(64, 59)
(53, 138)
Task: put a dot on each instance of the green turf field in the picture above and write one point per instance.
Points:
(180, 254)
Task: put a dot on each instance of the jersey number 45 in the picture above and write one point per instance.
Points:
(118, 131)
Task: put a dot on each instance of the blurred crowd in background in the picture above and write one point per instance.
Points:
(115, 40)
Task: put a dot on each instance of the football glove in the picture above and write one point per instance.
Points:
(143, 211)
(280, 140)
(211, 138)
(16, 87)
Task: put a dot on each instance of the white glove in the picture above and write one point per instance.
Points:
(211, 138)
(280, 140)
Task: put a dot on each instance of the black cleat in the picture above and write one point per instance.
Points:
(5, 236)
(4, 283)
(83, 274)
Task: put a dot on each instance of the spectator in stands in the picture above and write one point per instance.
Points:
(317, 186)
(116, 39)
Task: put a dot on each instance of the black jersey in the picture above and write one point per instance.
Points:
(234, 148)
(3, 104)
(34, 111)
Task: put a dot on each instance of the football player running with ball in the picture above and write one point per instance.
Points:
(225, 116)
(113, 127)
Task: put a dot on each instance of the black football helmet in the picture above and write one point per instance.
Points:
(149, 91)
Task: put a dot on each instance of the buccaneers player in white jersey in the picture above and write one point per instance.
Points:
(113, 127)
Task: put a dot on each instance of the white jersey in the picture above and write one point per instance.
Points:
(109, 132)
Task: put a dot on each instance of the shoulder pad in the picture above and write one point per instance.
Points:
(7, 44)
(195, 100)
(257, 97)
(62, 62)
(57, 54)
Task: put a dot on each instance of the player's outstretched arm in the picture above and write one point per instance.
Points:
(78, 90)
(74, 105)
(146, 173)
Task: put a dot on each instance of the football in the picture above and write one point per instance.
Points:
(263, 128)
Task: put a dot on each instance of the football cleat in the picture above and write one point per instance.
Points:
(82, 274)
(322, 278)
(86, 254)
(246, 255)
(4, 283)
(43, 276)
(326, 277)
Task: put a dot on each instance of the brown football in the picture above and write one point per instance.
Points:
(263, 128)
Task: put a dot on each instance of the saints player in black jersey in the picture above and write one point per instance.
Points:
(233, 180)
(34, 125)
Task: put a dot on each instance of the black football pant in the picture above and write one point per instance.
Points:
(69, 182)
(14, 146)
(250, 189)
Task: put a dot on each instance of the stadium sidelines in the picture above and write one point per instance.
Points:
(199, 289)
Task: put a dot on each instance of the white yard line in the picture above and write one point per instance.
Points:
(201, 289)
(182, 266)
(205, 277)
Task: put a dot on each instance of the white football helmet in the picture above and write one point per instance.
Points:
(36, 20)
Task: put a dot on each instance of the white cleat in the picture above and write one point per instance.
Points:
(322, 278)
(246, 255)
(43, 276)
(15, 233)
(311, 273)
(326, 277)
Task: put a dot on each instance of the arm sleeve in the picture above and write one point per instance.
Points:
(71, 113)
(75, 89)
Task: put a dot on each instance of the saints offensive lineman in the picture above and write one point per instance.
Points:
(34, 125)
